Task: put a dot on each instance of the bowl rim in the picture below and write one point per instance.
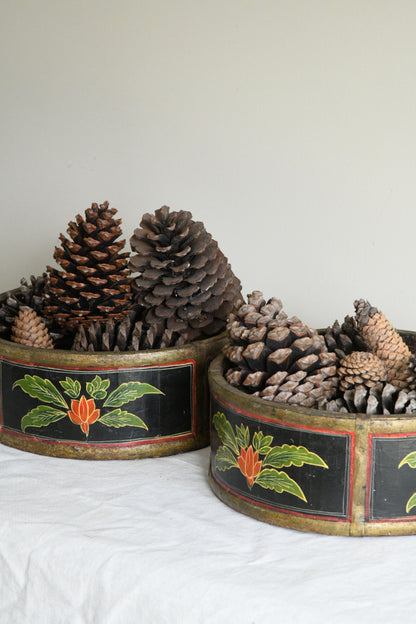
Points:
(68, 358)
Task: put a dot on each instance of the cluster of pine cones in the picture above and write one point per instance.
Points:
(175, 287)
(362, 365)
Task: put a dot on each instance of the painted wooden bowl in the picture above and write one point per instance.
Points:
(106, 405)
(312, 470)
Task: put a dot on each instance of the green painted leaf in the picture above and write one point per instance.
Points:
(410, 459)
(279, 482)
(41, 389)
(97, 388)
(224, 459)
(411, 502)
(41, 416)
(129, 392)
(72, 387)
(243, 436)
(225, 431)
(117, 418)
(261, 443)
(288, 455)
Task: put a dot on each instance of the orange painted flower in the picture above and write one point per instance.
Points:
(84, 413)
(249, 464)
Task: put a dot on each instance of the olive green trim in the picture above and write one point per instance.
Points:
(271, 516)
(72, 450)
(313, 525)
(272, 410)
(124, 359)
(304, 416)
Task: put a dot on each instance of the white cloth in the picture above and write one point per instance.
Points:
(120, 542)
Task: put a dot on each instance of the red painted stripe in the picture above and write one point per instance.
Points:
(92, 445)
(279, 509)
(100, 368)
(368, 477)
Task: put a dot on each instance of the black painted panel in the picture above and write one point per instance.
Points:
(326, 489)
(391, 487)
(166, 411)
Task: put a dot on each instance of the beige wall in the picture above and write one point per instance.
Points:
(288, 127)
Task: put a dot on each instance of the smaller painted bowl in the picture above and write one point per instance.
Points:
(106, 405)
(312, 470)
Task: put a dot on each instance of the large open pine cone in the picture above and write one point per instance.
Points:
(185, 282)
(276, 357)
(94, 283)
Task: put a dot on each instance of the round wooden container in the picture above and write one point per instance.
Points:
(106, 405)
(307, 469)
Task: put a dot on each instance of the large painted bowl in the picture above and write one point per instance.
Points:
(312, 470)
(106, 405)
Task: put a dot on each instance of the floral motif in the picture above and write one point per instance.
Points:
(237, 450)
(410, 460)
(84, 413)
(249, 464)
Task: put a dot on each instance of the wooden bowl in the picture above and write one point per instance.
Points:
(312, 470)
(106, 405)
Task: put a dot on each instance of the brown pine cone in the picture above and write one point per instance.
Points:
(109, 336)
(276, 357)
(385, 342)
(185, 282)
(360, 368)
(28, 295)
(129, 334)
(94, 285)
(29, 329)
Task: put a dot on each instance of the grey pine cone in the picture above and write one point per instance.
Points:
(383, 398)
(184, 281)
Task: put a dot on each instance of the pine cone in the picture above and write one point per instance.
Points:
(94, 284)
(385, 342)
(344, 339)
(276, 357)
(185, 282)
(129, 334)
(145, 337)
(29, 329)
(28, 295)
(383, 398)
(360, 368)
(109, 336)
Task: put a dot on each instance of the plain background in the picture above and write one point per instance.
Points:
(287, 127)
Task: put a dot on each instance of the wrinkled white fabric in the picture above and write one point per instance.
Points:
(120, 542)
